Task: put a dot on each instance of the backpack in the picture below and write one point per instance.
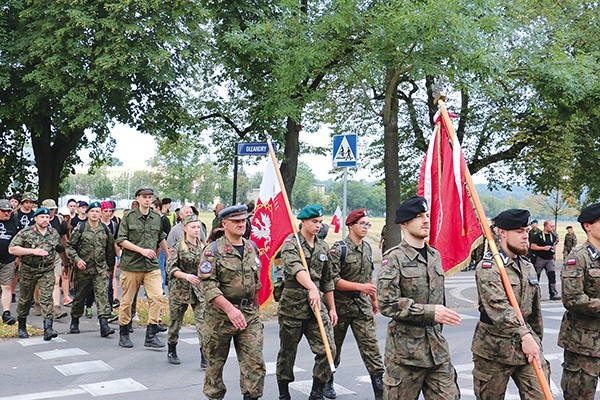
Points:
(109, 252)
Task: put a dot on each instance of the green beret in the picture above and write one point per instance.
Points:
(513, 219)
(189, 219)
(410, 208)
(589, 213)
(41, 210)
(93, 204)
(312, 211)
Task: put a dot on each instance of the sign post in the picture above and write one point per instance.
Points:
(344, 156)
(247, 149)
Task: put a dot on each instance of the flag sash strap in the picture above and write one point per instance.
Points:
(492, 245)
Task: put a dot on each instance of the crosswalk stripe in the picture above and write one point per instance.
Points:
(272, 366)
(46, 395)
(306, 386)
(58, 353)
(34, 341)
(80, 368)
(113, 387)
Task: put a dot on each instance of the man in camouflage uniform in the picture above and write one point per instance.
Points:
(579, 334)
(184, 289)
(88, 246)
(570, 243)
(37, 246)
(502, 347)
(356, 302)
(299, 298)
(229, 274)
(410, 290)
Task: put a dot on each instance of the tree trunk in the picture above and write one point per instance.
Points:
(390, 157)
(289, 166)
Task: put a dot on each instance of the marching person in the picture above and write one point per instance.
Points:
(90, 245)
(8, 229)
(502, 347)
(570, 243)
(301, 293)
(355, 298)
(410, 290)
(37, 246)
(544, 247)
(229, 274)
(579, 334)
(184, 289)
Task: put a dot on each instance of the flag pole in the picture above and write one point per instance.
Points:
(492, 245)
(316, 310)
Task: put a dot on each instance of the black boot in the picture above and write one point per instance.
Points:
(124, 340)
(203, 361)
(553, 292)
(377, 383)
(172, 354)
(316, 393)
(22, 330)
(248, 397)
(49, 333)
(105, 329)
(329, 390)
(284, 390)
(130, 327)
(7, 318)
(151, 339)
(74, 327)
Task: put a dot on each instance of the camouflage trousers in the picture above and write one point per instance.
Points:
(248, 343)
(364, 330)
(82, 283)
(28, 279)
(437, 383)
(290, 334)
(176, 313)
(580, 376)
(490, 379)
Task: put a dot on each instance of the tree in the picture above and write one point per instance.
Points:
(71, 69)
(103, 187)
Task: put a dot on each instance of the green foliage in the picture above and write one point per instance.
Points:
(103, 187)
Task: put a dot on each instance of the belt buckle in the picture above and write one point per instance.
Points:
(244, 303)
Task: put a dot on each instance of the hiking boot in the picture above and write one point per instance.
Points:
(284, 390)
(172, 354)
(316, 393)
(124, 340)
(248, 397)
(88, 313)
(377, 383)
(7, 318)
(161, 328)
(22, 330)
(105, 330)
(151, 339)
(74, 327)
(58, 312)
(49, 333)
(329, 390)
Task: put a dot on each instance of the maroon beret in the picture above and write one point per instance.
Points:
(355, 216)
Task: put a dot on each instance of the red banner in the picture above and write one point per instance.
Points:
(336, 221)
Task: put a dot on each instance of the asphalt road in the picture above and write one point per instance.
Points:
(86, 366)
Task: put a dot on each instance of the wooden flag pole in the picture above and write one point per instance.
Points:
(492, 245)
(316, 310)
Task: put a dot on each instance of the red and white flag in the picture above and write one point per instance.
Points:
(455, 229)
(336, 221)
(271, 224)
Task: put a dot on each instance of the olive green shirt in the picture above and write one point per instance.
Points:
(143, 231)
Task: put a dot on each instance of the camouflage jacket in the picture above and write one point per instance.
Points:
(229, 274)
(294, 299)
(569, 244)
(357, 267)
(143, 231)
(90, 247)
(580, 327)
(180, 290)
(408, 288)
(498, 333)
(31, 238)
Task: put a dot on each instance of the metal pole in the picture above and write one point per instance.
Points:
(235, 170)
(345, 194)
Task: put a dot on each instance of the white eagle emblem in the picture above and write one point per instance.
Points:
(261, 227)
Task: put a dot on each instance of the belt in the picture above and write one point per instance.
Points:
(485, 318)
(242, 302)
(349, 294)
(417, 323)
(295, 285)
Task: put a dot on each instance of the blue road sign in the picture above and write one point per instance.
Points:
(254, 149)
(344, 151)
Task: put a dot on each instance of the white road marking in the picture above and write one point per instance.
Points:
(58, 353)
(46, 395)
(304, 387)
(113, 387)
(33, 341)
(271, 368)
(85, 367)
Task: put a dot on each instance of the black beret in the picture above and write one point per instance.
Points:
(234, 212)
(589, 213)
(513, 219)
(142, 191)
(355, 216)
(166, 200)
(410, 208)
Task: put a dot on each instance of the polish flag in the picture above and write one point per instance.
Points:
(270, 226)
(336, 221)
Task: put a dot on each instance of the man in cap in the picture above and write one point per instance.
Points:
(579, 334)
(140, 234)
(81, 215)
(301, 294)
(502, 347)
(544, 247)
(90, 245)
(569, 244)
(25, 211)
(37, 246)
(355, 298)
(8, 229)
(229, 272)
(410, 290)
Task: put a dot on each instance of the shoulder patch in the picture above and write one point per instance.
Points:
(332, 251)
(384, 262)
(208, 253)
(571, 261)
(486, 264)
(206, 267)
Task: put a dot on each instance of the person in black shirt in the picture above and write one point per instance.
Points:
(8, 230)
(81, 215)
(25, 212)
(544, 246)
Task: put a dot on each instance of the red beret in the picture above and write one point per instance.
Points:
(355, 216)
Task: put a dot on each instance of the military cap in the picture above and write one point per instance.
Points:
(93, 204)
(189, 219)
(49, 203)
(166, 200)
(312, 211)
(355, 215)
(82, 203)
(410, 208)
(5, 205)
(513, 219)
(28, 196)
(106, 205)
(234, 212)
(569, 227)
(41, 210)
(143, 191)
(589, 213)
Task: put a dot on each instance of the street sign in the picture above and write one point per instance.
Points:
(254, 149)
(344, 151)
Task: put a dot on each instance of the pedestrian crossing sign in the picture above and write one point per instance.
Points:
(344, 151)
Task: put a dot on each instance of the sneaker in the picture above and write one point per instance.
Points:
(7, 318)
(136, 318)
(67, 301)
(88, 313)
(58, 312)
